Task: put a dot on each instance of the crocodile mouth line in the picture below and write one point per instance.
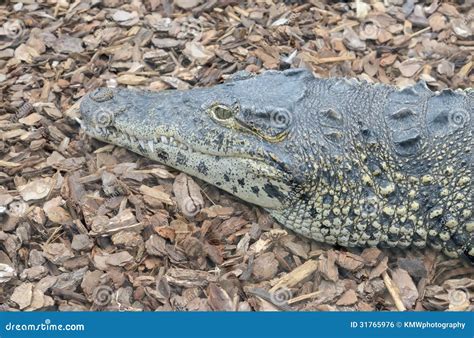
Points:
(162, 142)
(114, 135)
(111, 134)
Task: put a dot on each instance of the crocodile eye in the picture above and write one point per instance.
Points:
(222, 112)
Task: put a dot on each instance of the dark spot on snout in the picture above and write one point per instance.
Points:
(202, 168)
(255, 190)
(181, 159)
(162, 155)
(241, 182)
(219, 140)
(226, 178)
(272, 191)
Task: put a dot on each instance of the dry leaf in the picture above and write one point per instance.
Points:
(348, 298)
(409, 67)
(36, 189)
(23, 295)
(406, 286)
(132, 80)
(156, 193)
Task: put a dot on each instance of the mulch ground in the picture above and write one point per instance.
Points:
(89, 226)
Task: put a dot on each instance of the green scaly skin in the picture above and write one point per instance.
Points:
(335, 160)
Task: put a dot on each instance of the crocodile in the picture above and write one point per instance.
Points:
(341, 161)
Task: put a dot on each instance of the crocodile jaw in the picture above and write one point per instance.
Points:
(249, 169)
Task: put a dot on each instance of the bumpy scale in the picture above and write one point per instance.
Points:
(335, 160)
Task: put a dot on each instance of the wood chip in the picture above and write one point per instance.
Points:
(23, 295)
(78, 215)
(297, 275)
(348, 298)
(157, 194)
(406, 286)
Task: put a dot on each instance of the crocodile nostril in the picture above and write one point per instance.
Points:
(102, 94)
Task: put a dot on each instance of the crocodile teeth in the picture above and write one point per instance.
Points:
(164, 139)
(151, 145)
(142, 144)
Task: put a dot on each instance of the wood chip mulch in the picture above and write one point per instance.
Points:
(89, 226)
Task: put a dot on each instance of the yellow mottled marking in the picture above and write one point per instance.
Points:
(414, 206)
(436, 213)
(464, 180)
(389, 210)
(388, 189)
(367, 180)
(427, 179)
(402, 210)
(452, 223)
(445, 236)
(444, 192)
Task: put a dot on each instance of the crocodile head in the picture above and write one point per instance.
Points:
(239, 136)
